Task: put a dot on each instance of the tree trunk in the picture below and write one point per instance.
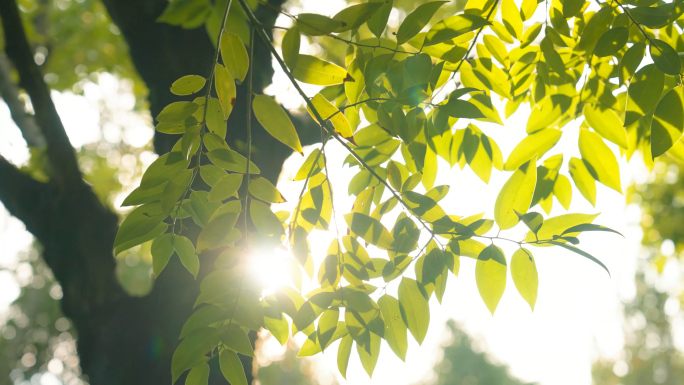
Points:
(124, 339)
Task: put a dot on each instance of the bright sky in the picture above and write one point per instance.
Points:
(577, 314)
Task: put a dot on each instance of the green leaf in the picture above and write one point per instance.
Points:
(582, 253)
(343, 353)
(601, 159)
(231, 161)
(191, 351)
(231, 367)
(643, 93)
(188, 85)
(461, 109)
(313, 70)
(611, 42)
(414, 302)
(263, 189)
(630, 61)
(607, 123)
(650, 16)
(177, 111)
(370, 229)
(354, 16)
(216, 117)
(370, 359)
(226, 91)
(532, 220)
(416, 20)
(452, 27)
(583, 180)
(328, 111)
(313, 24)
(264, 220)
(589, 227)
(512, 19)
(234, 55)
(378, 22)
(175, 189)
(395, 328)
(665, 57)
(524, 274)
(162, 250)
(275, 120)
(313, 164)
(178, 127)
(141, 225)
(538, 143)
(530, 34)
(668, 121)
(225, 187)
(236, 339)
(327, 325)
(186, 253)
(516, 195)
(572, 7)
(558, 225)
(290, 47)
(394, 175)
(199, 375)
(216, 232)
(490, 275)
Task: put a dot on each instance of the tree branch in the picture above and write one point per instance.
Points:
(10, 93)
(25, 198)
(65, 171)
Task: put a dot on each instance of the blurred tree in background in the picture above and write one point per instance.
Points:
(650, 355)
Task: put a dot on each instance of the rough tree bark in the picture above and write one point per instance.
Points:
(121, 339)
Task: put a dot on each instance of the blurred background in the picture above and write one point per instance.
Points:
(587, 327)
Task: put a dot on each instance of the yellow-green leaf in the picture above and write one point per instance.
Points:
(231, 367)
(275, 120)
(188, 85)
(199, 375)
(665, 57)
(524, 273)
(313, 70)
(263, 189)
(452, 27)
(668, 121)
(611, 41)
(490, 275)
(162, 249)
(516, 195)
(512, 19)
(234, 55)
(416, 20)
(584, 181)
(343, 353)
(225, 89)
(395, 328)
(595, 152)
(264, 220)
(538, 143)
(607, 123)
(414, 300)
(225, 187)
(370, 229)
(290, 47)
(327, 111)
(186, 253)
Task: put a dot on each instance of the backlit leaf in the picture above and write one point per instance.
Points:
(416, 20)
(668, 121)
(313, 70)
(188, 85)
(516, 195)
(231, 367)
(490, 275)
(234, 55)
(395, 328)
(275, 120)
(414, 302)
(524, 274)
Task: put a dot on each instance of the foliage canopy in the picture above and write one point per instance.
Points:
(568, 59)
